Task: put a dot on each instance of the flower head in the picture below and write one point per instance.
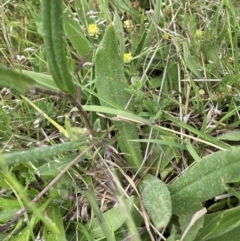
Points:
(199, 33)
(166, 36)
(128, 25)
(93, 30)
(127, 57)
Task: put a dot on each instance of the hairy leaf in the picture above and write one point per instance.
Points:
(205, 179)
(156, 199)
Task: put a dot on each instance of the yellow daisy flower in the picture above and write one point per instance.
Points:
(199, 33)
(127, 57)
(93, 30)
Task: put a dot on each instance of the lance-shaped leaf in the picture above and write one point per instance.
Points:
(54, 214)
(111, 84)
(74, 32)
(52, 21)
(205, 179)
(38, 153)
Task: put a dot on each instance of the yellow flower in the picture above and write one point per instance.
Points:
(166, 36)
(93, 29)
(199, 33)
(128, 25)
(127, 57)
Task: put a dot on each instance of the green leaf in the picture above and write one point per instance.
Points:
(222, 223)
(124, 114)
(191, 62)
(52, 24)
(15, 81)
(190, 224)
(205, 179)
(156, 199)
(7, 214)
(233, 235)
(53, 168)
(173, 234)
(74, 33)
(38, 153)
(211, 140)
(230, 136)
(27, 232)
(112, 84)
(114, 218)
(53, 213)
(210, 52)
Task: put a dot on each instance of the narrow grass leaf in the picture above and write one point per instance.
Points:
(124, 114)
(204, 136)
(222, 223)
(156, 199)
(163, 142)
(15, 81)
(205, 179)
(53, 122)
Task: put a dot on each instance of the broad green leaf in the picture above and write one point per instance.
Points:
(230, 136)
(38, 153)
(114, 218)
(205, 179)
(156, 199)
(52, 27)
(53, 213)
(15, 81)
(223, 222)
(111, 84)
